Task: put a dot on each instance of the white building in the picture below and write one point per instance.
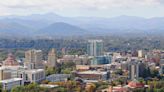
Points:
(141, 53)
(57, 77)
(10, 83)
(8, 72)
(35, 75)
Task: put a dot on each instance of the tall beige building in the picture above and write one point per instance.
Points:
(141, 53)
(52, 59)
(33, 59)
(4, 74)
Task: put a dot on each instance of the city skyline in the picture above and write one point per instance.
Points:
(81, 46)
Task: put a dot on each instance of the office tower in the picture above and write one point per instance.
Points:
(133, 70)
(95, 47)
(142, 69)
(10, 61)
(162, 67)
(63, 51)
(52, 59)
(141, 53)
(33, 59)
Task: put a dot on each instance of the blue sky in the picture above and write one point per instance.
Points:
(98, 8)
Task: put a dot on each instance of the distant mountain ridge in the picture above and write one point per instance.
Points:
(61, 28)
(52, 24)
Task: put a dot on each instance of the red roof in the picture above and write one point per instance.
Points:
(10, 61)
(135, 84)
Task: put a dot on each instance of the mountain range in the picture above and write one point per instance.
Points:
(51, 24)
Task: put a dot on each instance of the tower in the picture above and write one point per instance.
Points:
(95, 47)
(133, 70)
(52, 60)
(33, 59)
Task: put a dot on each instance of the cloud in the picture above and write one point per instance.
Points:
(30, 6)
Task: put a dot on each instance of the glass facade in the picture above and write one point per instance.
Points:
(99, 60)
(95, 47)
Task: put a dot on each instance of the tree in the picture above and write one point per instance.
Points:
(51, 70)
(154, 73)
(45, 82)
(33, 87)
(18, 89)
(119, 71)
(90, 87)
(1, 87)
(66, 71)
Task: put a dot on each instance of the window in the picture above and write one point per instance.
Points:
(26, 77)
(32, 76)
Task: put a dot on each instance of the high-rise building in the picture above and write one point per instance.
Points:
(52, 59)
(133, 70)
(95, 47)
(141, 53)
(33, 59)
(63, 51)
(162, 66)
(162, 69)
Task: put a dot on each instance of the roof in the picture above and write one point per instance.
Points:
(92, 72)
(10, 80)
(11, 67)
(48, 85)
(135, 84)
(35, 70)
(91, 81)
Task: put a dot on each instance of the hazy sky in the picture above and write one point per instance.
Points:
(100, 8)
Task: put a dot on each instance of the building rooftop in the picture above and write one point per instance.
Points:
(91, 81)
(48, 85)
(11, 67)
(58, 75)
(10, 80)
(92, 72)
(135, 84)
(35, 70)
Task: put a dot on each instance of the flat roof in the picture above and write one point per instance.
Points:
(11, 67)
(91, 81)
(10, 80)
(48, 85)
(35, 70)
(92, 72)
